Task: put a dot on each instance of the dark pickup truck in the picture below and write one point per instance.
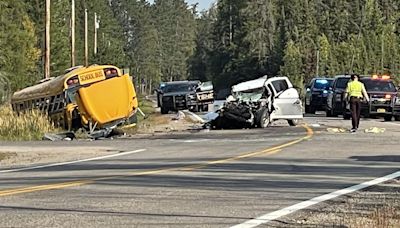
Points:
(383, 97)
(180, 95)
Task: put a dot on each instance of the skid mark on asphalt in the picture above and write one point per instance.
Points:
(272, 150)
(305, 204)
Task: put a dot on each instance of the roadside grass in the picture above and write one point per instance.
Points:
(147, 108)
(151, 119)
(27, 126)
(383, 212)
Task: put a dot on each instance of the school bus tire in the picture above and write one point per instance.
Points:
(164, 110)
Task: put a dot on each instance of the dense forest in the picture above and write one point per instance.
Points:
(235, 40)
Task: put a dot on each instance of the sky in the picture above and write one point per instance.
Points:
(203, 4)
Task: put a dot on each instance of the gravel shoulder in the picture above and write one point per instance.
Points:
(17, 156)
(377, 206)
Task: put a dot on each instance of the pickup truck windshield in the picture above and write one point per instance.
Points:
(379, 85)
(323, 83)
(342, 83)
(183, 87)
(251, 95)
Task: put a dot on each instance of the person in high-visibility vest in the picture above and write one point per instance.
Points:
(355, 92)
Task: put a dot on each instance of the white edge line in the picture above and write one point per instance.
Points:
(288, 210)
(197, 117)
(72, 162)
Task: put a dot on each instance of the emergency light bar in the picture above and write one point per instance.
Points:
(382, 77)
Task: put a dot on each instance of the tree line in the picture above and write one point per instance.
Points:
(234, 41)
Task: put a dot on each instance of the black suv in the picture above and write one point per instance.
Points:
(334, 103)
(316, 94)
(383, 96)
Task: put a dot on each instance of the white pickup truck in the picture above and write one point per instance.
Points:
(259, 102)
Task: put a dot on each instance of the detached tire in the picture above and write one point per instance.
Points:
(293, 122)
(263, 120)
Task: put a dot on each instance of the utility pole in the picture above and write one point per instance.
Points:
(230, 25)
(72, 33)
(47, 55)
(317, 70)
(86, 39)
(95, 33)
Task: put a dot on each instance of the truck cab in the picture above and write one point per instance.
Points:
(334, 101)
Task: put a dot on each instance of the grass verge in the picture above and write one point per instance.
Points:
(30, 125)
(155, 122)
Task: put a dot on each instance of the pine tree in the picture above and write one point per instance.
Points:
(18, 40)
(293, 64)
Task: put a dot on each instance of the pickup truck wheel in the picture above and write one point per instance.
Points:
(310, 109)
(346, 116)
(397, 118)
(205, 108)
(293, 122)
(164, 110)
(388, 118)
(334, 113)
(307, 109)
(263, 120)
(328, 113)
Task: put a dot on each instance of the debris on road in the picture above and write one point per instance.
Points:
(375, 130)
(194, 117)
(337, 130)
(66, 136)
(179, 116)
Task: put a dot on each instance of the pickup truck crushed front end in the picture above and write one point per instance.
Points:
(241, 110)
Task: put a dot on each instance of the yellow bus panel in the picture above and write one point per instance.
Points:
(108, 100)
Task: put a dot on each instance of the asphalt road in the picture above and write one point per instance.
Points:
(198, 179)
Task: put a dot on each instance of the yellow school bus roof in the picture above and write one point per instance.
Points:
(55, 85)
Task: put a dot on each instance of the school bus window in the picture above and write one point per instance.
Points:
(71, 96)
(51, 104)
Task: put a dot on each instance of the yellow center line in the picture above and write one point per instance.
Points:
(76, 183)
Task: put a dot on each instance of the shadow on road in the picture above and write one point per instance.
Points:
(248, 175)
(381, 158)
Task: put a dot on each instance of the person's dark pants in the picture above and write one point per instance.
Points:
(355, 107)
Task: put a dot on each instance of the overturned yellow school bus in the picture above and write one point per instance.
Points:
(94, 97)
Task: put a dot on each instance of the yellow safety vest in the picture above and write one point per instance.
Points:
(354, 89)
